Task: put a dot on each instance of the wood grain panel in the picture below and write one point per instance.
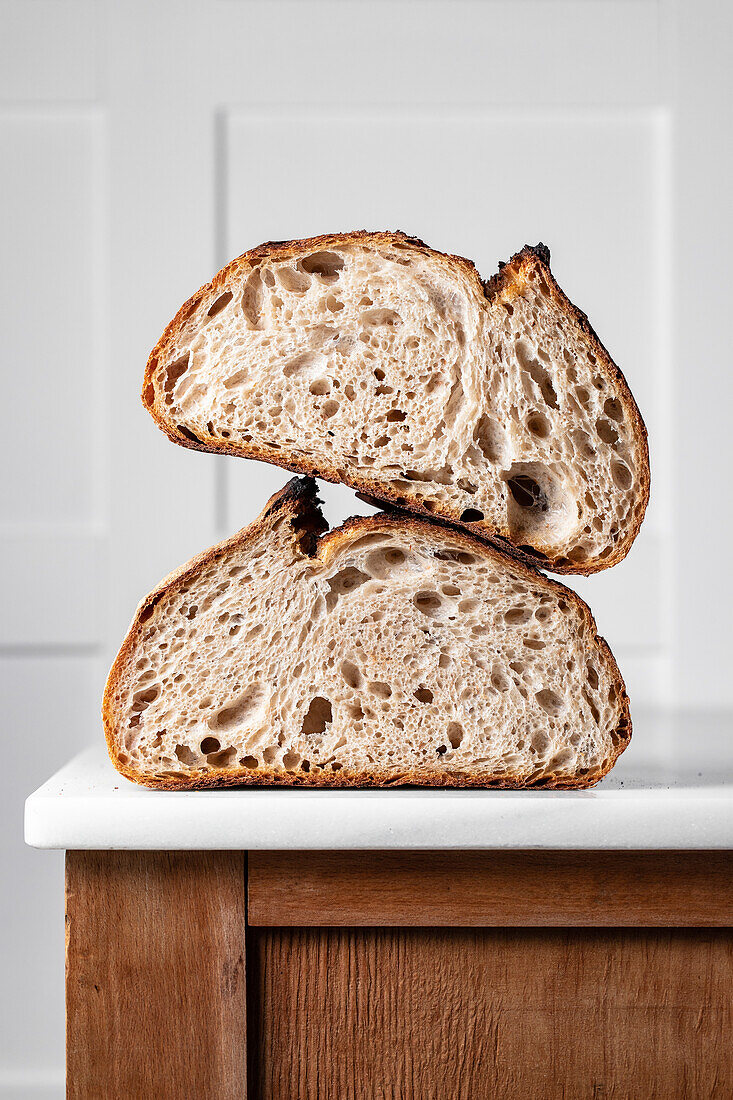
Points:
(432, 1014)
(491, 889)
(155, 975)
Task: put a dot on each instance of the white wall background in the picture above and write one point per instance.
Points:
(142, 144)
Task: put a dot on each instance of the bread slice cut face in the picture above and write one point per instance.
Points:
(370, 359)
(391, 650)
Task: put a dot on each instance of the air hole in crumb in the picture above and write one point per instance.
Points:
(500, 681)
(209, 745)
(299, 363)
(343, 582)
(293, 280)
(223, 759)
(320, 387)
(606, 431)
(143, 699)
(562, 759)
(240, 710)
(538, 425)
(380, 318)
(351, 674)
(329, 408)
(593, 708)
(427, 602)
(291, 760)
(527, 493)
(540, 742)
(621, 475)
(583, 396)
(461, 556)
(550, 701)
(582, 443)
(396, 416)
(317, 717)
(423, 694)
(380, 689)
(612, 408)
(187, 434)
(471, 515)
(221, 303)
(537, 372)
(517, 615)
(380, 562)
(455, 734)
(252, 300)
(325, 265)
(185, 755)
(578, 554)
(172, 374)
(379, 538)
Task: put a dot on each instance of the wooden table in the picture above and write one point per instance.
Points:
(395, 973)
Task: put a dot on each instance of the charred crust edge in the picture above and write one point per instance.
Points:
(308, 523)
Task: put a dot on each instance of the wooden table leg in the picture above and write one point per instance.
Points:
(155, 975)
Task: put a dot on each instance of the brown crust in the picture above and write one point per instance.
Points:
(505, 284)
(300, 498)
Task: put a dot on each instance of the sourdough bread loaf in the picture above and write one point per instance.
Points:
(370, 359)
(392, 650)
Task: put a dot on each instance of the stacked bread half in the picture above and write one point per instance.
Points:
(424, 644)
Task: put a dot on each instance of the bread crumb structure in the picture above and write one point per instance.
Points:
(373, 360)
(389, 651)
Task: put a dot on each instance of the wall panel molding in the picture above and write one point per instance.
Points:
(53, 526)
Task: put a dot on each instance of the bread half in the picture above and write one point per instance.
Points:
(370, 359)
(392, 650)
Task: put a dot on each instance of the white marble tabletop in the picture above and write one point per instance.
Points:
(672, 788)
